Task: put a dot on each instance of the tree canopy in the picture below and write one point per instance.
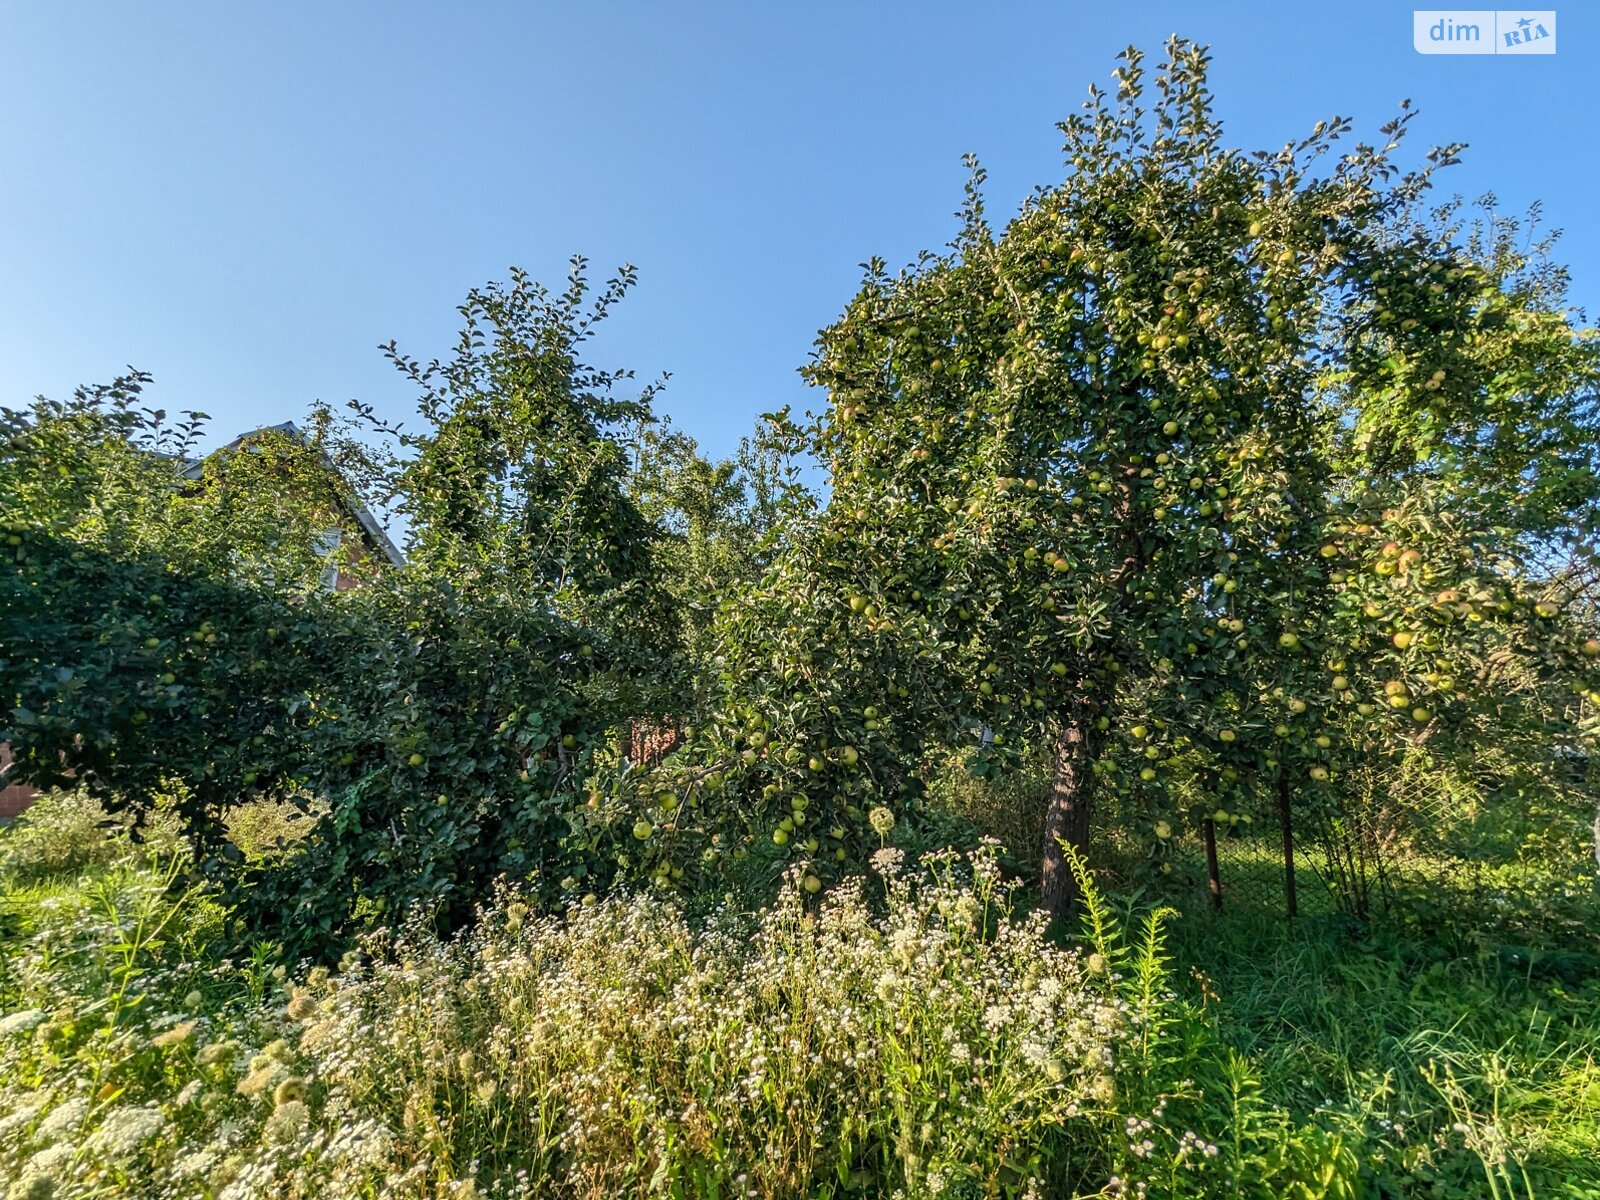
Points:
(1213, 467)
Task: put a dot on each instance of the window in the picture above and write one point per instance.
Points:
(326, 544)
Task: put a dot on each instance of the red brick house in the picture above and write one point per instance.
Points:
(361, 538)
(14, 797)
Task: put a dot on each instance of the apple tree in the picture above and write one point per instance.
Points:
(1106, 476)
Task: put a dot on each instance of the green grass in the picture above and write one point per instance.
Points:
(1448, 1050)
(1481, 1068)
(1462, 1014)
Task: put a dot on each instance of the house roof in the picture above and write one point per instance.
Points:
(194, 467)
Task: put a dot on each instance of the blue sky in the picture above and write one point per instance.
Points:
(246, 199)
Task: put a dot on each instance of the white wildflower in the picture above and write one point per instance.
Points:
(996, 1017)
(198, 1163)
(24, 1112)
(21, 1022)
(287, 1120)
(64, 1118)
(51, 1157)
(33, 1186)
(887, 860)
(125, 1129)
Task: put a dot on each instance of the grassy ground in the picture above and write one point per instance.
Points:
(1463, 1013)
(886, 1050)
(1480, 1067)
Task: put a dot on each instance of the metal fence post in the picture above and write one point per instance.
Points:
(1213, 880)
(1291, 901)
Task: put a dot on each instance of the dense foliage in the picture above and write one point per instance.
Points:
(162, 635)
(1226, 477)
(1226, 474)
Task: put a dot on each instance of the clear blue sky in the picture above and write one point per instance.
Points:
(246, 199)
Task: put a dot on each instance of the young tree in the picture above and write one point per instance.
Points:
(722, 523)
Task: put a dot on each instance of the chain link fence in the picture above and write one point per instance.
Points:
(1501, 851)
(1409, 846)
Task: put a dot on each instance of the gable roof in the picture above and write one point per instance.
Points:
(194, 468)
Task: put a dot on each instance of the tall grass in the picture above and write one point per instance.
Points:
(1480, 1070)
(908, 1034)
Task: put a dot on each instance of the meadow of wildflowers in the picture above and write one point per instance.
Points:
(907, 1034)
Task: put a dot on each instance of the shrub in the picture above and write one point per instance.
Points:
(63, 833)
(60, 832)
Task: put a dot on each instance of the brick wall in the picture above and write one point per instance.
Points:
(14, 797)
(649, 741)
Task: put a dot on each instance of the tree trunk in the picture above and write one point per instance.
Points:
(1066, 817)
